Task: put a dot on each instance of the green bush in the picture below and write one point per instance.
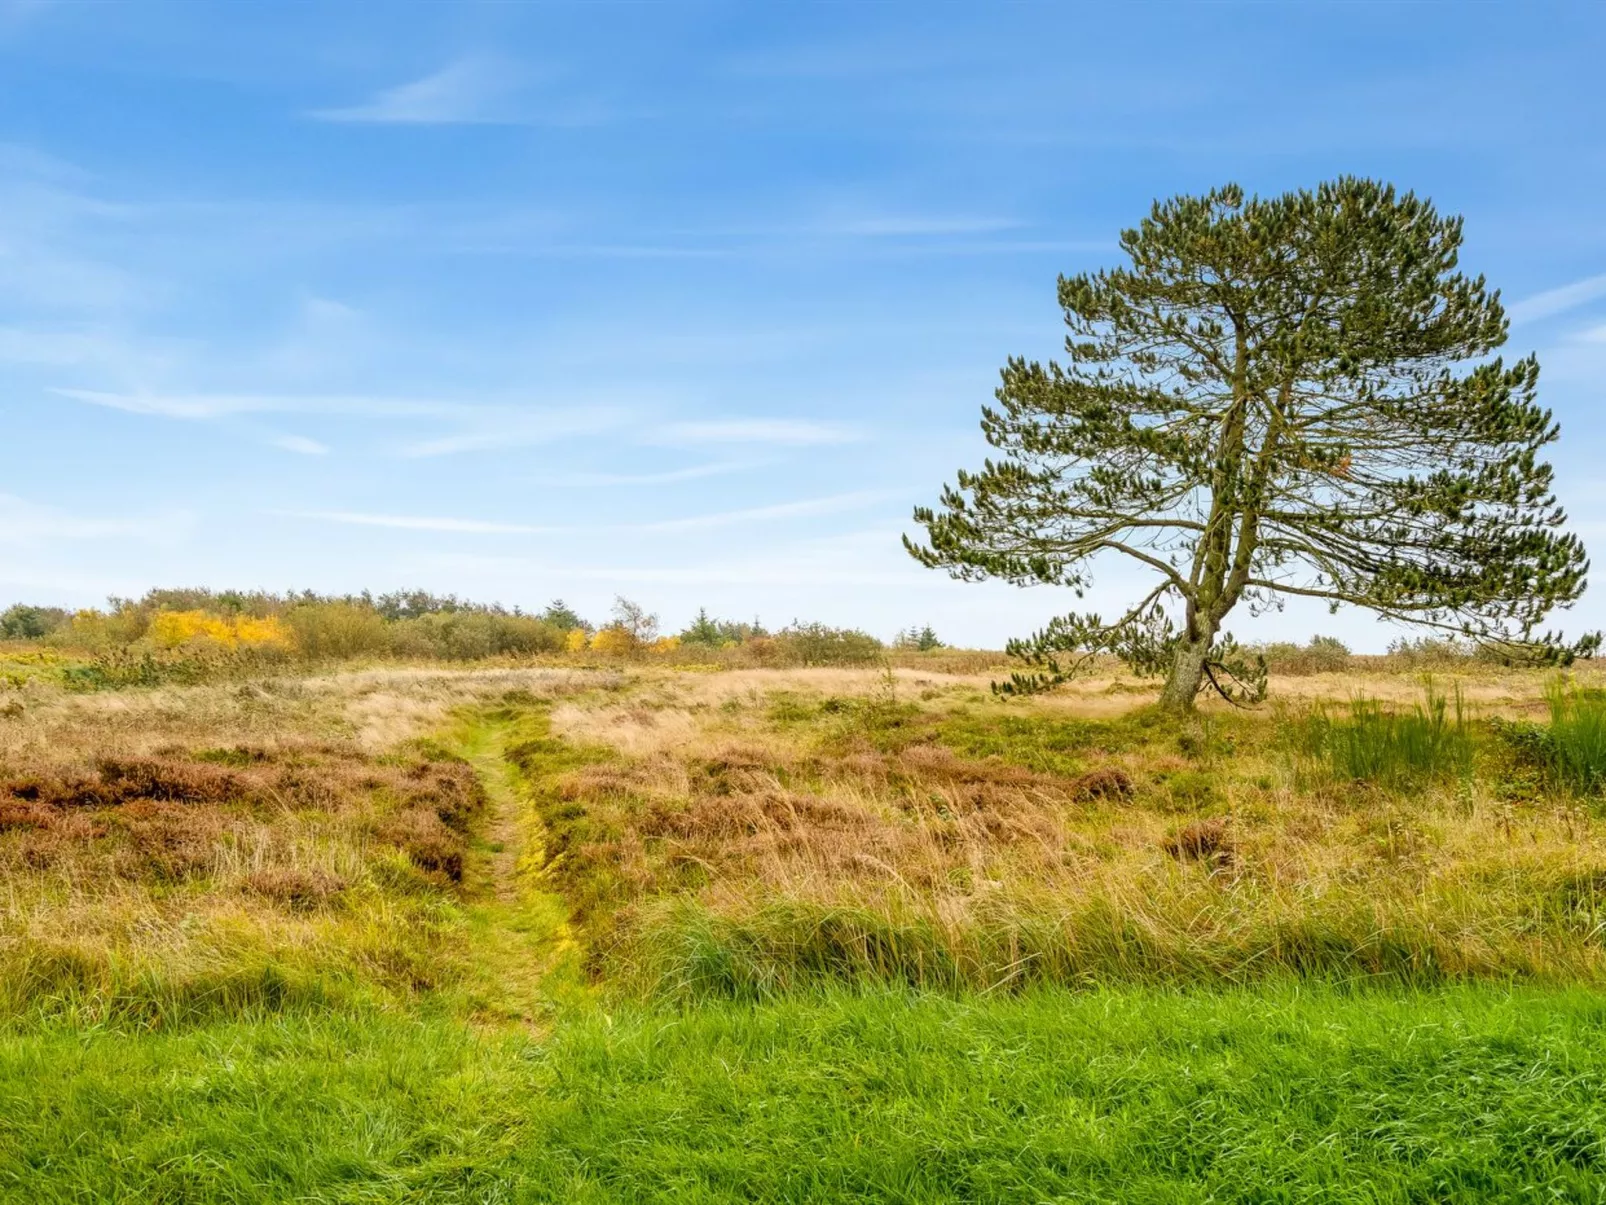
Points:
(118, 668)
(919, 639)
(337, 629)
(717, 633)
(467, 635)
(1323, 655)
(1428, 653)
(22, 622)
(817, 644)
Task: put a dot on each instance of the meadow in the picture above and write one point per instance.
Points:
(813, 921)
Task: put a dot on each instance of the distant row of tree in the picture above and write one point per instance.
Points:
(418, 623)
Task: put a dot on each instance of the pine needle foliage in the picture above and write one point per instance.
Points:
(1277, 397)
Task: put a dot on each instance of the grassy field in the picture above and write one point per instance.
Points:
(1469, 1094)
(557, 932)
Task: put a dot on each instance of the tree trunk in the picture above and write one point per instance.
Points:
(1187, 672)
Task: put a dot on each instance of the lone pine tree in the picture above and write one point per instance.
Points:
(1280, 396)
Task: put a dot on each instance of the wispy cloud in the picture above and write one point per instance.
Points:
(30, 523)
(1557, 301)
(496, 428)
(830, 504)
(1579, 359)
(694, 472)
(469, 90)
(19, 159)
(203, 406)
(416, 522)
(482, 426)
(95, 346)
(300, 444)
(14, 14)
(851, 559)
(788, 432)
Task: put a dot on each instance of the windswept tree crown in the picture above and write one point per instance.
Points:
(1279, 396)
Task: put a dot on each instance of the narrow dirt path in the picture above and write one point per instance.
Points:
(507, 808)
(524, 953)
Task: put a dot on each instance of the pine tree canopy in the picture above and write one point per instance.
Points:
(1285, 396)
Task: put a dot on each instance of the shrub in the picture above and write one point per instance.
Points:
(614, 641)
(562, 616)
(411, 604)
(1427, 652)
(97, 630)
(635, 620)
(22, 622)
(337, 629)
(467, 635)
(462, 636)
(921, 639)
(257, 603)
(1324, 654)
(817, 644)
(121, 666)
(173, 629)
(719, 633)
(528, 634)
(1578, 735)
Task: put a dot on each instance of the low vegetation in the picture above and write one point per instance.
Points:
(189, 636)
(577, 927)
(1469, 1095)
(812, 837)
(157, 880)
(1573, 749)
(1432, 741)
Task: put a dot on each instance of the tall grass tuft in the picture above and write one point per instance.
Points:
(1434, 739)
(1577, 744)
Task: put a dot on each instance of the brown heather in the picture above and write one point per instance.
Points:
(744, 840)
(187, 851)
(172, 852)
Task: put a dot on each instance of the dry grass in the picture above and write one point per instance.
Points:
(755, 829)
(171, 851)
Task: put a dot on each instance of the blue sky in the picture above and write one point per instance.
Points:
(690, 302)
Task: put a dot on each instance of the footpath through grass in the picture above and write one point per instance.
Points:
(1470, 1094)
(525, 953)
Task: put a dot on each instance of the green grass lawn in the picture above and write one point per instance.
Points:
(1472, 1093)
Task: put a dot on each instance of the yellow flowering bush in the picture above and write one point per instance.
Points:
(576, 641)
(613, 641)
(265, 633)
(170, 629)
(664, 644)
